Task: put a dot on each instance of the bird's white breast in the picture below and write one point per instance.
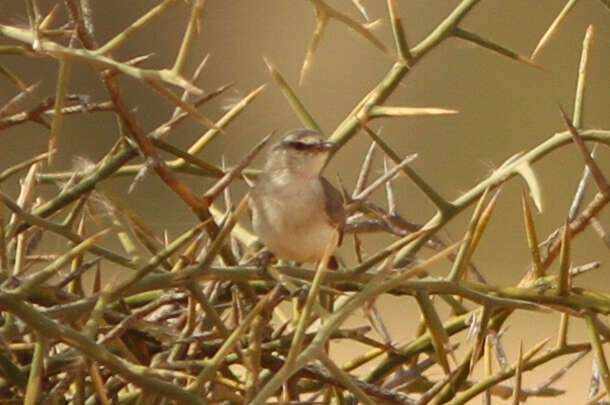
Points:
(291, 220)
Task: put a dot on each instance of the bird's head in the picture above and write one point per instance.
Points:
(301, 152)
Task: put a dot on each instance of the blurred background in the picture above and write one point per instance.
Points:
(504, 107)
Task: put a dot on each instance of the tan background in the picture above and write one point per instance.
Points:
(505, 107)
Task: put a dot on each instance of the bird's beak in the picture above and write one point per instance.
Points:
(324, 146)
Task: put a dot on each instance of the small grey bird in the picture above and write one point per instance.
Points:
(295, 211)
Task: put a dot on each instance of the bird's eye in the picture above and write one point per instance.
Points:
(301, 145)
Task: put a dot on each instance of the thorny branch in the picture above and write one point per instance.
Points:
(194, 306)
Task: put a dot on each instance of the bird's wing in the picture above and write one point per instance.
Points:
(334, 206)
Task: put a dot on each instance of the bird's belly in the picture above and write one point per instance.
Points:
(293, 227)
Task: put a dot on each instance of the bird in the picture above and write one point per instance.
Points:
(295, 211)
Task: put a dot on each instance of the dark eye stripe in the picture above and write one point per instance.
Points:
(302, 146)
